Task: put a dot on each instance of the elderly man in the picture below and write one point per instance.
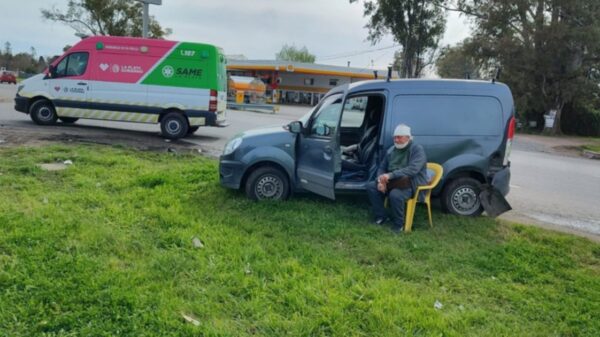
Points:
(401, 170)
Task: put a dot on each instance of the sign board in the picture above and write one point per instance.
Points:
(239, 97)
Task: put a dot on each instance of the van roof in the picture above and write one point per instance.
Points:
(435, 87)
(431, 86)
(426, 83)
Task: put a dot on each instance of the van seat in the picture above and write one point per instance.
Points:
(364, 152)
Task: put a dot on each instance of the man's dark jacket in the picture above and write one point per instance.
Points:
(416, 169)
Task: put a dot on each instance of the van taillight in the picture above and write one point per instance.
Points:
(511, 128)
(212, 101)
(510, 134)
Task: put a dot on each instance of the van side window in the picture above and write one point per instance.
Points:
(448, 115)
(325, 121)
(354, 112)
(74, 64)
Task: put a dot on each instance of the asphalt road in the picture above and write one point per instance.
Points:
(547, 189)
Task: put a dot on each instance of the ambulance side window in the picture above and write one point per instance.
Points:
(62, 67)
(72, 65)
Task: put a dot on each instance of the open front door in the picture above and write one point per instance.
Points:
(318, 152)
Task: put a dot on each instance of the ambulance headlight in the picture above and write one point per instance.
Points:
(232, 145)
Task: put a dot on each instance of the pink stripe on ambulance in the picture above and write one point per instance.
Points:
(116, 59)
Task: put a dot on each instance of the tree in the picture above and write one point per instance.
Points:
(105, 17)
(546, 48)
(291, 53)
(7, 48)
(41, 64)
(6, 56)
(458, 62)
(416, 25)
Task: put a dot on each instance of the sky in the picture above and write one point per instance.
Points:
(333, 30)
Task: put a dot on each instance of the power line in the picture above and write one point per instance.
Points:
(354, 53)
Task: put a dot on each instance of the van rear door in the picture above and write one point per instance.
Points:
(318, 150)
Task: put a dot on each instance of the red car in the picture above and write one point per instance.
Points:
(8, 78)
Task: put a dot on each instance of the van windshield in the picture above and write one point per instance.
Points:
(328, 109)
(325, 120)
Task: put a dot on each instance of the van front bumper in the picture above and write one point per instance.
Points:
(22, 104)
(231, 173)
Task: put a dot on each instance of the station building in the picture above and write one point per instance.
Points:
(296, 82)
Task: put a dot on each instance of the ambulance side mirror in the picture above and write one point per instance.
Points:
(51, 71)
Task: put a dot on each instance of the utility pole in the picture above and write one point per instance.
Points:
(146, 17)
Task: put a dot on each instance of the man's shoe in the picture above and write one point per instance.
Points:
(398, 229)
(380, 221)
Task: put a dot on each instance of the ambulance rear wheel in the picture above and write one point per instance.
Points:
(42, 112)
(174, 126)
(68, 120)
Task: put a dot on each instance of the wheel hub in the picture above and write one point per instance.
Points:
(269, 187)
(45, 113)
(173, 126)
(464, 200)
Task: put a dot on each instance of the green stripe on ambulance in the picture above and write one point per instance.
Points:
(189, 65)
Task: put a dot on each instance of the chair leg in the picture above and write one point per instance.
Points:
(409, 214)
(429, 211)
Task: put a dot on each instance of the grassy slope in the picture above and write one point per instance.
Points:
(595, 148)
(105, 249)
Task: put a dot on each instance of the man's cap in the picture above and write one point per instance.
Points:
(402, 130)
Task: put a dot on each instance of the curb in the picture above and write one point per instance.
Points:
(591, 154)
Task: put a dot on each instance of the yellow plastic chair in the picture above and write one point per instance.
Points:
(411, 204)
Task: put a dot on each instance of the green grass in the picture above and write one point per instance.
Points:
(104, 248)
(592, 147)
(593, 144)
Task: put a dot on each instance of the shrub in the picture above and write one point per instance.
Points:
(583, 120)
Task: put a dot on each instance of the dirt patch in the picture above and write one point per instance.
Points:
(568, 150)
(53, 166)
(42, 136)
(562, 145)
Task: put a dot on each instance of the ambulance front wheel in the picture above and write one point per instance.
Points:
(42, 112)
(174, 125)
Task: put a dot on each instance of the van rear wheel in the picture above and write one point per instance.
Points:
(174, 125)
(267, 183)
(42, 112)
(461, 197)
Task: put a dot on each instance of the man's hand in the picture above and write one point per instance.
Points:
(383, 179)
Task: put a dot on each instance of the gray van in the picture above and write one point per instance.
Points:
(466, 126)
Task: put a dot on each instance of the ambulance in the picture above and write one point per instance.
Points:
(180, 85)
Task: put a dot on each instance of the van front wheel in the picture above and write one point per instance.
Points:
(267, 183)
(461, 197)
(42, 112)
(174, 126)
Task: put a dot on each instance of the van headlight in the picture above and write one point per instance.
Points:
(19, 88)
(232, 145)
